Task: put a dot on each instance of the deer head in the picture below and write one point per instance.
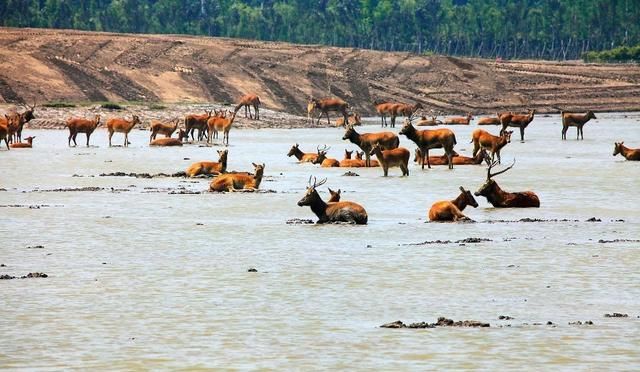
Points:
(617, 148)
(293, 150)
(335, 195)
(311, 195)
(591, 115)
(489, 183)
(468, 198)
(322, 154)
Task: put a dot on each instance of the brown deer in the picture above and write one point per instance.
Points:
(517, 121)
(365, 141)
(452, 210)
(424, 122)
(11, 123)
(4, 131)
(170, 141)
(311, 108)
(403, 109)
(398, 157)
(431, 139)
(335, 196)
(348, 162)
(23, 145)
(81, 125)
(324, 105)
(24, 118)
(383, 109)
(502, 199)
(247, 101)
(484, 139)
(490, 120)
(457, 159)
(219, 124)
(372, 162)
(303, 157)
(459, 120)
(238, 181)
(341, 211)
(158, 127)
(354, 119)
(575, 120)
(199, 122)
(121, 125)
(629, 154)
(324, 161)
(209, 167)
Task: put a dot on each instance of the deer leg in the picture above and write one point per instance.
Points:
(110, 135)
(319, 116)
(257, 110)
(329, 121)
(88, 135)
(564, 132)
(69, 140)
(126, 140)
(521, 134)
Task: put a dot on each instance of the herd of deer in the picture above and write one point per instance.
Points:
(384, 145)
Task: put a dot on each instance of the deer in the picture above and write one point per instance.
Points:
(11, 123)
(348, 162)
(121, 125)
(403, 109)
(238, 181)
(158, 127)
(629, 154)
(354, 119)
(199, 122)
(383, 109)
(311, 108)
(424, 122)
(398, 157)
(324, 105)
(209, 167)
(217, 124)
(164, 142)
(324, 161)
(23, 145)
(247, 101)
(335, 196)
(457, 159)
(502, 199)
(517, 121)
(575, 120)
(372, 162)
(482, 138)
(446, 210)
(24, 118)
(431, 139)
(4, 131)
(341, 211)
(459, 120)
(490, 120)
(81, 125)
(365, 141)
(303, 157)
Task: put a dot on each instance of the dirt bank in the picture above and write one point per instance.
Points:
(88, 66)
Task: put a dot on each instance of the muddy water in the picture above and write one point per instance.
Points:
(140, 278)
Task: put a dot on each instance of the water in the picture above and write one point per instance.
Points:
(150, 287)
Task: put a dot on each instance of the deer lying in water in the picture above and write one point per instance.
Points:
(23, 145)
(431, 139)
(457, 159)
(238, 181)
(365, 141)
(335, 196)
(575, 120)
(324, 161)
(424, 122)
(159, 127)
(484, 139)
(354, 120)
(518, 121)
(490, 120)
(81, 125)
(502, 199)
(398, 157)
(303, 157)
(199, 122)
(170, 141)
(372, 162)
(452, 210)
(459, 120)
(209, 167)
(629, 154)
(120, 125)
(247, 101)
(324, 105)
(341, 211)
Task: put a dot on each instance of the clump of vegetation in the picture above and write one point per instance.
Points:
(111, 106)
(619, 54)
(58, 104)
(157, 106)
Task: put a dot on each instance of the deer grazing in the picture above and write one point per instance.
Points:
(575, 120)
(398, 157)
(629, 154)
(324, 161)
(209, 167)
(424, 122)
(341, 211)
(403, 109)
(383, 109)
(158, 127)
(121, 125)
(238, 181)
(452, 210)
(165, 142)
(247, 101)
(324, 105)
(199, 122)
(23, 145)
(502, 199)
(517, 121)
(354, 120)
(459, 120)
(81, 125)
(431, 139)
(484, 139)
(457, 159)
(492, 120)
(303, 157)
(365, 141)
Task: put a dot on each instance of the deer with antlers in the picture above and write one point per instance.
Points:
(324, 161)
(452, 210)
(341, 211)
(628, 153)
(365, 141)
(159, 127)
(121, 125)
(238, 181)
(459, 120)
(517, 121)
(81, 125)
(431, 139)
(502, 199)
(324, 105)
(303, 157)
(424, 122)
(398, 157)
(575, 120)
(195, 122)
(247, 101)
(482, 138)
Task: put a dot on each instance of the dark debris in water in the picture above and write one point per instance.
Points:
(505, 317)
(28, 276)
(442, 322)
(586, 322)
(461, 241)
(602, 241)
(30, 206)
(143, 175)
(299, 221)
(35, 247)
(351, 174)
(616, 315)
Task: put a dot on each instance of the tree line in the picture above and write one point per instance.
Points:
(510, 29)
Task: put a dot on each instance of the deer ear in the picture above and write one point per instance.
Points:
(339, 191)
(255, 165)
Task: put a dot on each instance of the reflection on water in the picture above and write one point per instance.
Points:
(142, 278)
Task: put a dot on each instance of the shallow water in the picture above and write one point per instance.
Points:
(143, 279)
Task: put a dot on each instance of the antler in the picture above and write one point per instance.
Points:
(315, 182)
(324, 149)
(489, 175)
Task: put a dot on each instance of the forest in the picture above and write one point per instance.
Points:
(508, 29)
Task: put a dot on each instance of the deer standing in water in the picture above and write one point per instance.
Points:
(629, 154)
(452, 210)
(518, 121)
(120, 125)
(484, 139)
(159, 127)
(324, 105)
(238, 181)
(398, 157)
(575, 120)
(247, 101)
(431, 139)
(365, 141)
(23, 118)
(502, 199)
(81, 125)
(199, 122)
(341, 211)
(4, 130)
